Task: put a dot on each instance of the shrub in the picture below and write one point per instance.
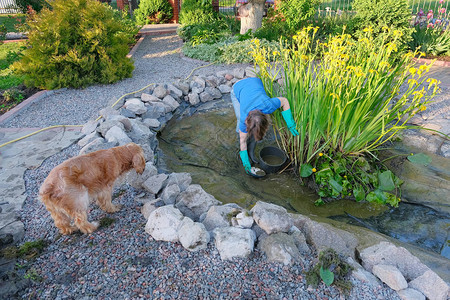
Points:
(345, 106)
(197, 12)
(153, 12)
(377, 14)
(36, 5)
(78, 43)
(297, 12)
(204, 52)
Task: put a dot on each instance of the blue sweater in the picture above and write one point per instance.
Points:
(251, 95)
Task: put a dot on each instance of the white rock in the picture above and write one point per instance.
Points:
(193, 236)
(183, 180)
(154, 183)
(391, 276)
(149, 98)
(234, 242)
(149, 207)
(244, 220)
(135, 105)
(224, 89)
(88, 138)
(170, 101)
(194, 98)
(431, 285)
(160, 92)
(279, 247)
(410, 294)
(194, 201)
(151, 123)
(163, 223)
(117, 135)
(170, 193)
(239, 73)
(271, 218)
(387, 253)
(219, 216)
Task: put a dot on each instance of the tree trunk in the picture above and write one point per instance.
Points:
(251, 15)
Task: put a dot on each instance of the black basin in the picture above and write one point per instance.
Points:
(272, 159)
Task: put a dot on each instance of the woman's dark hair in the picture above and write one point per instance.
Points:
(257, 124)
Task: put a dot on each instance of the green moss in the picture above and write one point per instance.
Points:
(106, 221)
(27, 250)
(330, 260)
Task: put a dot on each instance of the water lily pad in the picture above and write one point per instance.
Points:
(306, 170)
(327, 276)
(420, 159)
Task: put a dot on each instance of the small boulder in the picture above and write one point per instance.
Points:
(194, 98)
(193, 236)
(431, 285)
(220, 216)
(163, 224)
(391, 276)
(194, 201)
(160, 91)
(170, 194)
(154, 183)
(183, 180)
(271, 218)
(135, 105)
(410, 294)
(243, 220)
(279, 247)
(234, 242)
(149, 98)
(116, 135)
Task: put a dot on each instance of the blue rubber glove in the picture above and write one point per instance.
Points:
(245, 161)
(287, 116)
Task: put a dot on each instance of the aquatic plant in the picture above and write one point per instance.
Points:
(347, 104)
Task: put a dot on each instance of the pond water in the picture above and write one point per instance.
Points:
(205, 144)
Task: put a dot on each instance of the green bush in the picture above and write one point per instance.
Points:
(298, 12)
(153, 12)
(36, 5)
(78, 43)
(197, 12)
(379, 14)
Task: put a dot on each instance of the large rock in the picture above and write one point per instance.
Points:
(135, 105)
(194, 201)
(323, 236)
(170, 193)
(163, 223)
(299, 240)
(160, 92)
(183, 180)
(193, 98)
(388, 254)
(171, 102)
(136, 180)
(279, 247)
(220, 216)
(140, 133)
(391, 276)
(183, 86)
(149, 98)
(116, 135)
(107, 125)
(174, 91)
(431, 285)
(410, 294)
(271, 218)
(154, 183)
(234, 242)
(198, 85)
(149, 207)
(193, 236)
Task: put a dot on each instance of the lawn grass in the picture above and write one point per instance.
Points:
(8, 54)
(11, 20)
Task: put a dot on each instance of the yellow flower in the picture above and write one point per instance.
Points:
(304, 57)
(314, 170)
(368, 29)
(320, 154)
(423, 107)
(412, 71)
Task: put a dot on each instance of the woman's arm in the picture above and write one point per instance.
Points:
(284, 103)
(243, 140)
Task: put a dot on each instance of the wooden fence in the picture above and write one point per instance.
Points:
(8, 7)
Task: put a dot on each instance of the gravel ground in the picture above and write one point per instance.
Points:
(121, 261)
(157, 60)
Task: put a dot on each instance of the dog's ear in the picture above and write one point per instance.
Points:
(139, 162)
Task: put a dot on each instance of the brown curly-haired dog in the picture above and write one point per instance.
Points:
(72, 185)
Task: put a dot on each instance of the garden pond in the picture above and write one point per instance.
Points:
(203, 141)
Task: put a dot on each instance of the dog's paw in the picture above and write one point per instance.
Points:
(90, 227)
(114, 208)
(68, 230)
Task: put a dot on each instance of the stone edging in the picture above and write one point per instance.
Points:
(27, 102)
(439, 63)
(181, 212)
